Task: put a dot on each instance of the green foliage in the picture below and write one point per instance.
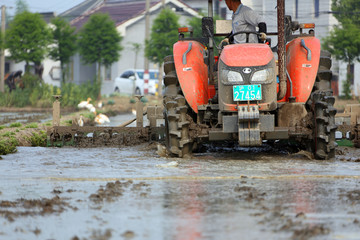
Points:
(27, 38)
(163, 35)
(21, 6)
(346, 91)
(99, 41)
(35, 93)
(2, 127)
(64, 43)
(16, 124)
(72, 94)
(38, 139)
(38, 94)
(345, 143)
(344, 42)
(196, 24)
(1, 41)
(8, 145)
(346, 11)
(135, 48)
(7, 134)
(32, 125)
(17, 98)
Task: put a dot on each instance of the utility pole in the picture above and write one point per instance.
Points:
(2, 55)
(146, 61)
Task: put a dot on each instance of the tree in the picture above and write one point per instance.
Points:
(21, 6)
(164, 33)
(346, 11)
(99, 41)
(64, 39)
(343, 41)
(27, 38)
(136, 47)
(196, 24)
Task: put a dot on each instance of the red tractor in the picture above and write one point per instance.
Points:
(248, 96)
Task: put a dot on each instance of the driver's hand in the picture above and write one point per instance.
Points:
(262, 36)
(224, 42)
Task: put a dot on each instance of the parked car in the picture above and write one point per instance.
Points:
(131, 82)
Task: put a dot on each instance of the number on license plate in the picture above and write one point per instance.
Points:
(247, 92)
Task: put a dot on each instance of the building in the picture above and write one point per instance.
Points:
(129, 17)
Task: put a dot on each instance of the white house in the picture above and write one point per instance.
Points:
(129, 17)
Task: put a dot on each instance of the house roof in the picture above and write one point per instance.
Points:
(79, 9)
(122, 11)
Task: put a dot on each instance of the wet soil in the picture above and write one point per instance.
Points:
(129, 193)
(33, 207)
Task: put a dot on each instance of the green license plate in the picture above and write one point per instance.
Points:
(247, 92)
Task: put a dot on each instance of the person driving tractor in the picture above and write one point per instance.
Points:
(245, 19)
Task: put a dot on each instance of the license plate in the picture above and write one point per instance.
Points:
(247, 92)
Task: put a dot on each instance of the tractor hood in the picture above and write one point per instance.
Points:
(246, 55)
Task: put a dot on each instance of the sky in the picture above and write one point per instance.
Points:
(57, 6)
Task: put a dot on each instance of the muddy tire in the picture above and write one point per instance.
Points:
(323, 144)
(322, 111)
(324, 74)
(177, 137)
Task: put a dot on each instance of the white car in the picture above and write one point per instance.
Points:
(132, 82)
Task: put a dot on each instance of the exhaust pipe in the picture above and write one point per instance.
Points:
(281, 48)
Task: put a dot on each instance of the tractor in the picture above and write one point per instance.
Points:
(251, 92)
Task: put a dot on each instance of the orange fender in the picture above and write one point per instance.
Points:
(192, 72)
(301, 68)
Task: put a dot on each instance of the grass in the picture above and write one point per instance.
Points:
(7, 134)
(32, 125)
(38, 140)
(2, 127)
(8, 146)
(16, 124)
(345, 143)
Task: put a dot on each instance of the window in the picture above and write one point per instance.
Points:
(125, 74)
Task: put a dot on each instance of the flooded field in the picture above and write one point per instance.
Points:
(24, 117)
(133, 193)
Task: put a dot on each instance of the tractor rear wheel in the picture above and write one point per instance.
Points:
(323, 144)
(321, 106)
(324, 74)
(177, 137)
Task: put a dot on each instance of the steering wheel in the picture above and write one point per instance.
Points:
(243, 32)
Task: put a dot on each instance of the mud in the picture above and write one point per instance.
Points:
(33, 207)
(112, 191)
(220, 193)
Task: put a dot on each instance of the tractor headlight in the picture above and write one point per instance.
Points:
(234, 77)
(264, 75)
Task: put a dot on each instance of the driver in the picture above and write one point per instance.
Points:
(245, 19)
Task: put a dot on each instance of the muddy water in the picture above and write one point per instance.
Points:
(132, 193)
(7, 118)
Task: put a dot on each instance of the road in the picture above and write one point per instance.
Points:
(221, 193)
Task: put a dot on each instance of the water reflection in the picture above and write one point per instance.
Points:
(6, 118)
